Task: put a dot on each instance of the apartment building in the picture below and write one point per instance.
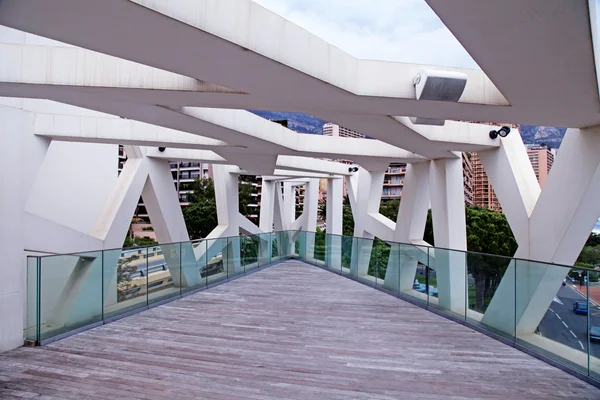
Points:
(393, 181)
(541, 159)
(330, 129)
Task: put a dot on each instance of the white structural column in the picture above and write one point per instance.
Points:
(365, 196)
(14, 127)
(334, 215)
(449, 227)
(309, 214)
(513, 179)
(410, 226)
(557, 229)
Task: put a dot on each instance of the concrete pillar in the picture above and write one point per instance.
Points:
(410, 226)
(560, 221)
(334, 215)
(15, 125)
(449, 227)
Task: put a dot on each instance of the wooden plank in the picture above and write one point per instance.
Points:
(291, 331)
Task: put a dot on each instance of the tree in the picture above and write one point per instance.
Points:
(201, 214)
(488, 232)
(390, 209)
(322, 209)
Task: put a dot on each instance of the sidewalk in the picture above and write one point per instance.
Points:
(594, 293)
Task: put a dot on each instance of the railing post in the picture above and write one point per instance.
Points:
(38, 314)
(102, 285)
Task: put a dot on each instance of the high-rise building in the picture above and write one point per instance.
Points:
(541, 159)
(467, 165)
(330, 129)
(483, 194)
(393, 181)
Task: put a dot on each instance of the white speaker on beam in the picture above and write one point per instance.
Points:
(438, 86)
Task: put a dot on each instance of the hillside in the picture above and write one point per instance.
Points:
(304, 123)
(296, 121)
(548, 135)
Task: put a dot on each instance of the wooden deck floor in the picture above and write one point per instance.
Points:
(291, 331)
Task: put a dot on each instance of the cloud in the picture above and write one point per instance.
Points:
(390, 30)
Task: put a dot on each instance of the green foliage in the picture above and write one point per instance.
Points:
(148, 228)
(593, 240)
(390, 208)
(201, 214)
(138, 241)
(322, 210)
(590, 255)
(347, 218)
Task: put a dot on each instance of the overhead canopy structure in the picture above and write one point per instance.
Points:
(78, 77)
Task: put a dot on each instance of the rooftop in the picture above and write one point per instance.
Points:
(289, 331)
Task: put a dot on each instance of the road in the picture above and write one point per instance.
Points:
(564, 326)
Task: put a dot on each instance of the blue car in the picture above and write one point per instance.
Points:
(422, 289)
(580, 307)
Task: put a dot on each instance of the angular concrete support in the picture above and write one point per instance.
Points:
(449, 227)
(410, 226)
(334, 215)
(556, 230)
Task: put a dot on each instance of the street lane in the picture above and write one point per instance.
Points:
(561, 324)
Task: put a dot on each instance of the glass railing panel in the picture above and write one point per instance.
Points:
(215, 268)
(447, 281)
(249, 249)
(275, 247)
(552, 313)
(265, 250)
(233, 262)
(362, 267)
(334, 252)
(348, 249)
(125, 280)
(31, 319)
(71, 292)
(164, 272)
(379, 261)
(491, 279)
(320, 247)
(193, 261)
(406, 273)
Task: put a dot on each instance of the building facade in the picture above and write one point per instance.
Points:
(330, 129)
(541, 158)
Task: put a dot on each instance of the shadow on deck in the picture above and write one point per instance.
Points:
(291, 331)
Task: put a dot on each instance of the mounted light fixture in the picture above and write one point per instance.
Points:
(161, 149)
(436, 85)
(352, 169)
(502, 132)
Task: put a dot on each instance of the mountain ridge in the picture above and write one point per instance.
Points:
(304, 123)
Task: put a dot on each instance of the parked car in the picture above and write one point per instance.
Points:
(423, 289)
(580, 307)
(595, 333)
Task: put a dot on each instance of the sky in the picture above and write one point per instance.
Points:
(390, 30)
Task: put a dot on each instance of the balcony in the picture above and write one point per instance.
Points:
(330, 317)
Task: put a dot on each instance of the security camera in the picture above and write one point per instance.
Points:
(161, 149)
(352, 169)
(502, 132)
